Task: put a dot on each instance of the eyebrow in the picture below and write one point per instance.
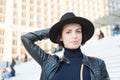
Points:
(69, 29)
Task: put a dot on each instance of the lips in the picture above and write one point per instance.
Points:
(74, 42)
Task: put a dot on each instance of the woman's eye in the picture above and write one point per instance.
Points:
(67, 32)
(79, 31)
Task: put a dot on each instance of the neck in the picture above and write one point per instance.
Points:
(73, 52)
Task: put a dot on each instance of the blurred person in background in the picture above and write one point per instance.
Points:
(71, 32)
(8, 74)
(13, 63)
(5, 74)
(116, 30)
(101, 35)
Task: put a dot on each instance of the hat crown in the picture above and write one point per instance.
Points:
(67, 16)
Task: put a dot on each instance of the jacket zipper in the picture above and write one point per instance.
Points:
(81, 72)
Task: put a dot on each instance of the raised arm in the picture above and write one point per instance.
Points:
(33, 49)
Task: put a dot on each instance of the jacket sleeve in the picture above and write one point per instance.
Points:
(33, 49)
(104, 72)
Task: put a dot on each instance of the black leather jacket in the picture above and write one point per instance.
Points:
(50, 63)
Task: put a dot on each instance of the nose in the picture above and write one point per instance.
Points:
(74, 35)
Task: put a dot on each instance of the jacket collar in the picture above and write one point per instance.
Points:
(87, 62)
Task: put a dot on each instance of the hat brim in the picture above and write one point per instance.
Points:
(86, 25)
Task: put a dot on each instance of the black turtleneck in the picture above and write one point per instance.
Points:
(72, 71)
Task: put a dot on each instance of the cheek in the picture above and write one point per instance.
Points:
(65, 39)
(80, 36)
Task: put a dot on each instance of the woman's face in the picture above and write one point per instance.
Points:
(71, 36)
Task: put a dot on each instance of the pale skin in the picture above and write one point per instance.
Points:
(72, 36)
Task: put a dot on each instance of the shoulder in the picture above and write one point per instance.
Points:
(96, 60)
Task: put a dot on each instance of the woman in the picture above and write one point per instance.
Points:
(70, 32)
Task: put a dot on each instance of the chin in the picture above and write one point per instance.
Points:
(74, 47)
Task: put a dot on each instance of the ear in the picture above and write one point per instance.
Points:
(61, 39)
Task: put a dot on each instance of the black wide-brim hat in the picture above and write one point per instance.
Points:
(67, 18)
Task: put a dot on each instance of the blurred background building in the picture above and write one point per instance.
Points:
(18, 17)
